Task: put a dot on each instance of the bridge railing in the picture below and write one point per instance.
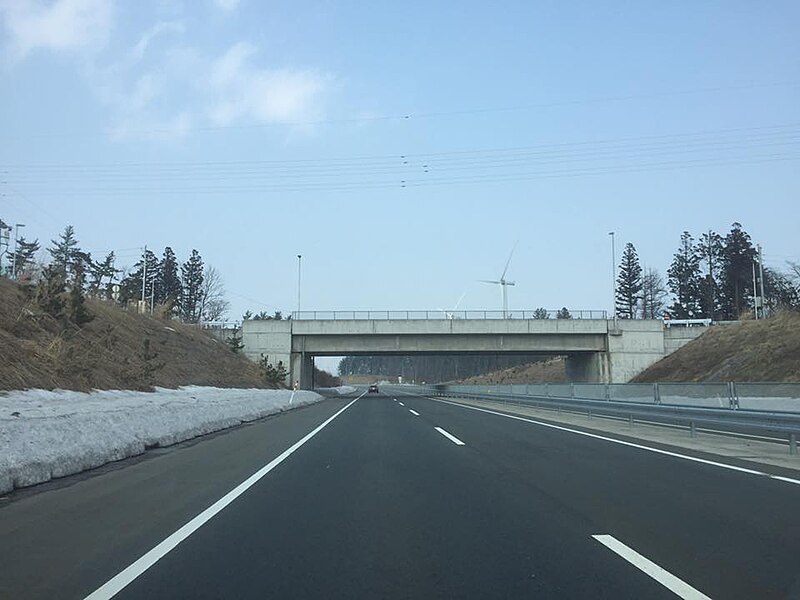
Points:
(439, 315)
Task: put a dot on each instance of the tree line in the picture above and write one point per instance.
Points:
(711, 277)
(190, 291)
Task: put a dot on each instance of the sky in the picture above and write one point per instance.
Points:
(402, 149)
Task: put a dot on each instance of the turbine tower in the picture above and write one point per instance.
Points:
(503, 283)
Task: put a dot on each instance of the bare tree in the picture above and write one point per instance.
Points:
(654, 295)
(212, 303)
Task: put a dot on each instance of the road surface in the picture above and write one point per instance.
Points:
(404, 497)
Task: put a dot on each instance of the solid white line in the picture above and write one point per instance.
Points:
(704, 461)
(413, 412)
(401, 404)
(450, 437)
(117, 583)
(662, 576)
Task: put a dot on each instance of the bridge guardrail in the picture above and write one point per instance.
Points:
(437, 315)
(770, 408)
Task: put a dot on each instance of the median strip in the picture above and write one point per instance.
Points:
(450, 436)
(677, 586)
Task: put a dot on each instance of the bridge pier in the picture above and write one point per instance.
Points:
(301, 370)
(588, 367)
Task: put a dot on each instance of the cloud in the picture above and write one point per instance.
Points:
(227, 5)
(148, 36)
(242, 91)
(63, 25)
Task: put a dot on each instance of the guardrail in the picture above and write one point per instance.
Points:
(438, 315)
(737, 408)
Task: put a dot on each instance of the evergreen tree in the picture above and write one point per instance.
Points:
(738, 257)
(191, 291)
(65, 252)
(99, 271)
(131, 284)
(629, 283)
(710, 253)
(169, 282)
(24, 254)
(563, 314)
(653, 295)
(78, 313)
(541, 313)
(683, 278)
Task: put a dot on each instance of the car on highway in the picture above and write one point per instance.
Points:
(373, 389)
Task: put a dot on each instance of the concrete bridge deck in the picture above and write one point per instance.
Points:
(597, 350)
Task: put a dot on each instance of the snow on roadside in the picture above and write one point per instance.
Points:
(48, 434)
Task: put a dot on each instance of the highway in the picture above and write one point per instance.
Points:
(382, 496)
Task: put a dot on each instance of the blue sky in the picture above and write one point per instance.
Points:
(254, 131)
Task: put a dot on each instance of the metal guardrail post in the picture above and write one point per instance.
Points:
(572, 390)
(630, 420)
(547, 389)
(608, 392)
(656, 394)
(692, 429)
(793, 444)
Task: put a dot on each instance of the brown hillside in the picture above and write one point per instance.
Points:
(116, 350)
(549, 371)
(765, 350)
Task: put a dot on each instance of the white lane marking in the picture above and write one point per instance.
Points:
(413, 412)
(662, 576)
(401, 404)
(704, 461)
(117, 583)
(450, 437)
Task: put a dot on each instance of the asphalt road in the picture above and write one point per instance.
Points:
(383, 502)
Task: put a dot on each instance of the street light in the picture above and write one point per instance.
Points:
(613, 278)
(299, 264)
(14, 256)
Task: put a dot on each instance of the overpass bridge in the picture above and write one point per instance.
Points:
(598, 350)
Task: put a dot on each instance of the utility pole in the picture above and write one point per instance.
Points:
(14, 256)
(755, 294)
(144, 275)
(761, 278)
(5, 232)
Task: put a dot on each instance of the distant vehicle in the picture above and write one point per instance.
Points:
(373, 389)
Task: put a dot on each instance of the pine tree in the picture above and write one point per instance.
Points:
(629, 283)
(99, 271)
(78, 313)
(65, 252)
(683, 278)
(563, 313)
(131, 284)
(541, 313)
(192, 279)
(738, 257)
(24, 255)
(169, 282)
(710, 254)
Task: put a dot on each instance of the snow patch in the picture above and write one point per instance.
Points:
(47, 434)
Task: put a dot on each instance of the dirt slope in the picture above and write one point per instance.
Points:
(549, 371)
(765, 350)
(116, 350)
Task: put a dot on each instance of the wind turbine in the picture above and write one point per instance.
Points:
(451, 314)
(503, 283)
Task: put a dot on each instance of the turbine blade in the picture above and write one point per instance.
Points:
(508, 262)
(487, 281)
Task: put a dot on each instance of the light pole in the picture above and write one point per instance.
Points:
(299, 266)
(14, 256)
(613, 278)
